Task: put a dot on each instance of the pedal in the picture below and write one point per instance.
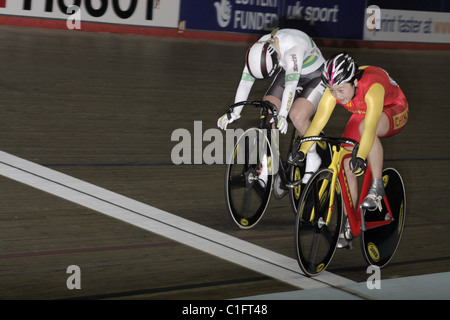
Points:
(345, 240)
(372, 203)
(279, 191)
(343, 243)
(294, 184)
(350, 245)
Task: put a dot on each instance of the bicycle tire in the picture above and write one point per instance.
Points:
(315, 241)
(247, 197)
(380, 244)
(296, 173)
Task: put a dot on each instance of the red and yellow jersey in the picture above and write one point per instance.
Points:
(375, 92)
(370, 77)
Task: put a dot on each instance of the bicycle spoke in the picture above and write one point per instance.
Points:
(260, 190)
(314, 251)
(245, 202)
(316, 206)
(237, 181)
(327, 234)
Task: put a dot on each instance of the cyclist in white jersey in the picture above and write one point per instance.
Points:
(297, 87)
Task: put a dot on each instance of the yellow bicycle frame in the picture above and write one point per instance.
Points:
(335, 166)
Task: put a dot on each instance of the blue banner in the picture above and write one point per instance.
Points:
(337, 19)
(243, 16)
(341, 19)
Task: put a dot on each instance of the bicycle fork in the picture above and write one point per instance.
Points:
(334, 168)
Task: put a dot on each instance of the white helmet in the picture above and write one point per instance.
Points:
(262, 59)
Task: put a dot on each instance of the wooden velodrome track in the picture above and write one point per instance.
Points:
(102, 108)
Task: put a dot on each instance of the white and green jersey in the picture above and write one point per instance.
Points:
(299, 56)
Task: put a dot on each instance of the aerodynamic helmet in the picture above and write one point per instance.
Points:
(262, 58)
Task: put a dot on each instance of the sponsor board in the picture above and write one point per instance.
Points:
(326, 18)
(409, 26)
(157, 13)
(243, 16)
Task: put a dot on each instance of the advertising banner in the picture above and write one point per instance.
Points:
(335, 19)
(160, 13)
(324, 18)
(407, 26)
(242, 16)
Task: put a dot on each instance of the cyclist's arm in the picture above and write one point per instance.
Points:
(323, 113)
(294, 58)
(374, 100)
(243, 90)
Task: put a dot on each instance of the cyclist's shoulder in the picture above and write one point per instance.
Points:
(372, 74)
(372, 77)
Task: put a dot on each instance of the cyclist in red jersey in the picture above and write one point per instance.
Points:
(379, 109)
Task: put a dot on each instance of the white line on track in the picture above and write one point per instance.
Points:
(163, 223)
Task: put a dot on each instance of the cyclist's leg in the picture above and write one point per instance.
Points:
(388, 125)
(383, 241)
(372, 200)
(307, 97)
(375, 156)
(274, 93)
(352, 132)
(300, 114)
(392, 121)
(309, 92)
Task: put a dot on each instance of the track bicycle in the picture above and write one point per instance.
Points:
(255, 167)
(320, 216)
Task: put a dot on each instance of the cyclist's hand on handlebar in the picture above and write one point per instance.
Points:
(223, 121)
(358, 166)
(296, 158)
(282, 124)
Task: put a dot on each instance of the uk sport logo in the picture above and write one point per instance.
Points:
(223, 10)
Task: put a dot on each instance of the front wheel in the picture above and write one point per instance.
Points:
(249, 178)
(316, 227)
